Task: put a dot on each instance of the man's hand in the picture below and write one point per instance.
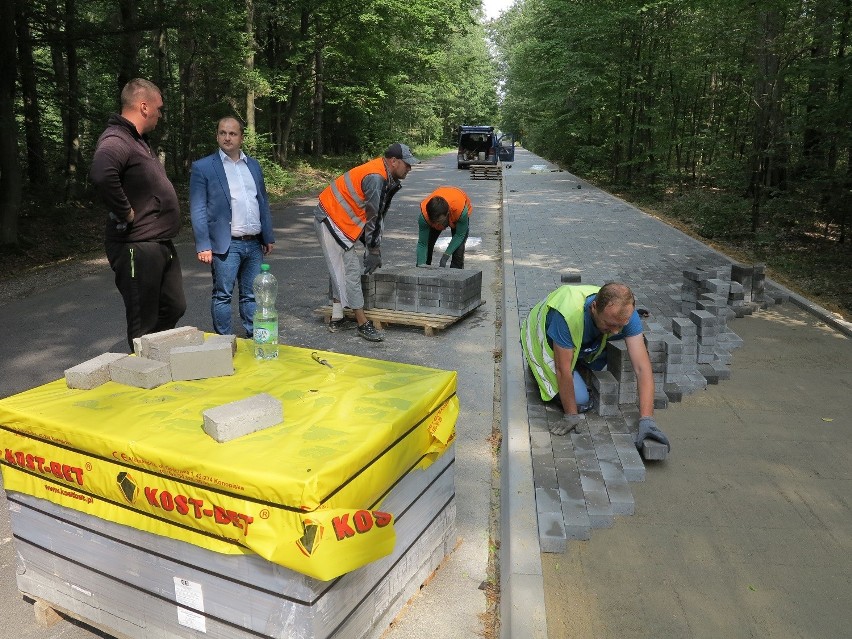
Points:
(648, 430)
(444, 259)
(205, 256)
(372, 261)
(567, 424)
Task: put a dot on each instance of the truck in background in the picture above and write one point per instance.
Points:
(482, 145)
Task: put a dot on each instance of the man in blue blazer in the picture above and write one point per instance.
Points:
(231, 221)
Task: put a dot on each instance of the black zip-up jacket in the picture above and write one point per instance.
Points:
(128, 174)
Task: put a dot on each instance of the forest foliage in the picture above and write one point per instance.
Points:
(308, 78)
(733, 117)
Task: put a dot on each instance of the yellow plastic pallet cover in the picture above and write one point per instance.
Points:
(305, 494)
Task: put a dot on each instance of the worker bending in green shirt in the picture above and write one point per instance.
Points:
(446, 206)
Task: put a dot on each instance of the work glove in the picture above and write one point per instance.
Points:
(444, 259)
(372, 261)
(648, 430)
(567, 424)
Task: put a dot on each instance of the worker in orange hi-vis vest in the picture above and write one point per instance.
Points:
(352, 209)
(445, 206)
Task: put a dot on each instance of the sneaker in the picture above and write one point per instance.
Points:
(369, 332)
(342, 324)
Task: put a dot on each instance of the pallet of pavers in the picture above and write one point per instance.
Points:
(129, 516)
(142, 585)
(479, 172)
(425, 296)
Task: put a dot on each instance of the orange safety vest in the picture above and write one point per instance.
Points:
(344, 201)
(456, 198)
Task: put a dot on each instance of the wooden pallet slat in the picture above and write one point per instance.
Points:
(386, 316)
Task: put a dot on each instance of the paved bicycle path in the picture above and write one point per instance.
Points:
(746, 530)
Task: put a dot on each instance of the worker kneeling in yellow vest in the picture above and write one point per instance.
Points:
(569, 330)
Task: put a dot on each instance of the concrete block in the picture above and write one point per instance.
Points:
(703, 319)
(723, 372)
(708, 372)
(570, 278)
(717, 286)
(140, 372)
(545, 476)
(210, 359)
(617, 358)
(231, 340)
(695, 275)
(758, 284)
(574, 514)
(599, 508)
(631, 462)
(137, 346)
(620, 495)
(604, 382)
(551, 532)
(91, 373)
(743, 274)
(653, 450)
(674, 392)
(242, 417)
(157, 345)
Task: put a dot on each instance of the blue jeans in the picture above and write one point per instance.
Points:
(581, 390)
(239, 265)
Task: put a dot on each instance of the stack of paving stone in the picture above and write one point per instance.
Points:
(179, 354)
(424, 289)
(135, 584)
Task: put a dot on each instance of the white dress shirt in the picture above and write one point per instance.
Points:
(245, 209)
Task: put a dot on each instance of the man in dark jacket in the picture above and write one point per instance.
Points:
(144, 215)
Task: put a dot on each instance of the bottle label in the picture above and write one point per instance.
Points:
(262, 334)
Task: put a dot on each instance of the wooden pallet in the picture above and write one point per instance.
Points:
(486, 172)
(382, 317)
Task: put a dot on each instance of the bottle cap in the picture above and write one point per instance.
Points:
(264, 267)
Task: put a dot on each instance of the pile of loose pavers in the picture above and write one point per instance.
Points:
(182, 354)
(582, 480)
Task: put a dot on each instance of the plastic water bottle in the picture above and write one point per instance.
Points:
(265, 331)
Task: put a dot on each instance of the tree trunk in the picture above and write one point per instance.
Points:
(131, 43)
(318, 99)
(60, 71)
(37, 174)
(766, 97)
(813, 152)
(73, 157)
(10, 170)
(250, 46)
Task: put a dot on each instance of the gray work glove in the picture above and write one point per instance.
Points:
(648, 430)
(567, 424)
(372, 261)
(444, 259)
